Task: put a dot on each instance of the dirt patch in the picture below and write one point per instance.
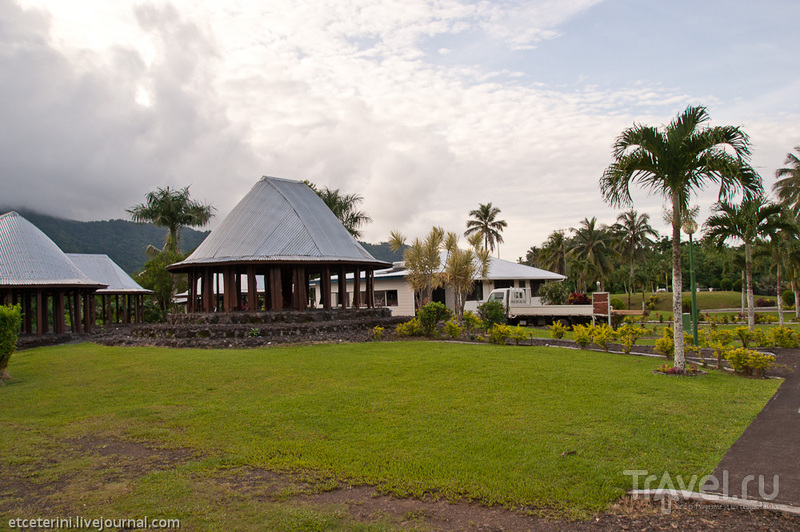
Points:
(111, 464)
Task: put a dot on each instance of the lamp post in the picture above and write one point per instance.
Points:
(690, 227)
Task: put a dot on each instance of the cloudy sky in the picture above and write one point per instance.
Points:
(425, 107)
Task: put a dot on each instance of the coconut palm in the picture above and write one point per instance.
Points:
(778, 250)
(755, 218)
(172, 209)
(676, 161)
(633, 231)
(552, 256)
(345, 207)
(595, 245)
(788, 185)
(484, 221)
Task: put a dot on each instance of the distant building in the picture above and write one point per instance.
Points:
(392, 290)
(276, 239)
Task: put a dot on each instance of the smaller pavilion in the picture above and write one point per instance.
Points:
(123, 299)
(36, 274)
(279, 236)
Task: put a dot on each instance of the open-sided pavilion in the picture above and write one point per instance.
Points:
(37, 275)
(280, 236)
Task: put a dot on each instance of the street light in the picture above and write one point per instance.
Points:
(690, 227)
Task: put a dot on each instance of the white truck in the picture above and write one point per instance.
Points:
(523, 309)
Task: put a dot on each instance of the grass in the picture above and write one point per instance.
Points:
(474, 422)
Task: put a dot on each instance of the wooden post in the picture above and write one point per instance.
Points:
(300, 294)
(275, 288)
(76, 299)
(325, 287)
(357, 288)
(342, 287)
(45, 312)
(40, 316)
(88, 311)
(252, 289)
(59, 327)
(370, 288)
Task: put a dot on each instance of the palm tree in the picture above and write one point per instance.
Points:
(788, 185)
(754, 218)
(553, 255)
(675, 161)
(423, 261)
(345, 207)
(463, 267)
(594, 245)
(484, 221)
(778, 250)
(633, 230)
(172, 209)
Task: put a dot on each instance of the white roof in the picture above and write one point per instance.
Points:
(102, 269)
(29, 258)
(280, 220)
(498, 269)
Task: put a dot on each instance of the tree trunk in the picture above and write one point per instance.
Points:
(796, 298)
(677, 283)
(780, 296)
(631, 288)
(751, 308)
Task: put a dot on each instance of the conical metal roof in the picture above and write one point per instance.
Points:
(280, 220)
(102, 269)
(29, 258)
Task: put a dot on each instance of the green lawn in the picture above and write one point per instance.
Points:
(476, 422)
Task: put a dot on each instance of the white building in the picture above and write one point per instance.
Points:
(393, 291)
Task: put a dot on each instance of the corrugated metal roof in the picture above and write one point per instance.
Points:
(102, 269)
(280, 220)
(498, 269)
(29, 258)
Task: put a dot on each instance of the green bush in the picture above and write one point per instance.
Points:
(471, 321)
(498, 333)
(557, 330)
(582, 334)
(788, 298)
(492, 313)
(617, 304)
(519, 334)
(555, 293)
(737, 285)
(377, 333)
(627, 335)
(431, 314)
(409, 328)
(749, 362)
(452, 329)
(10, 322)
(666, 344)
(602, 335)
(784, 337)
(745, 335)
(651, 303)
(718, 340)
(726, 285)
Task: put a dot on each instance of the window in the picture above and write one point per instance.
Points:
(384, 298)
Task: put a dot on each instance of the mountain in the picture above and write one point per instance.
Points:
(124, 241)
(383, 252)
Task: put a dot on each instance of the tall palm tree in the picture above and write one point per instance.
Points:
(553, 255)
(778, 250)
(634, 232)
(172, 209)
(754, 218)
(345, 207)
(423, 261)
(484, 221)
(788, 185)
(675, 161)
(595, 245)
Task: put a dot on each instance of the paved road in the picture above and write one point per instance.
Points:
(764, 463)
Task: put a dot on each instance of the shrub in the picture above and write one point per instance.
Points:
(718, 340)
(498, 333)
(726, 285)
(765, 302)
(784, 337)
(578, 299)
(431, 314)
(10, 322)
(553, 293)
(519, 335)
(627, 335)
(557, 330)
(409, 328)
(666, 344)
(617, 304)
(602, 335)
(749, 362)
(254, 332)
(582, 335)
(452, 329)
(472, 321)
(652, 301)
(377, 333)
(492, 313)
(788, 298)
(737, 285)
(745, 335)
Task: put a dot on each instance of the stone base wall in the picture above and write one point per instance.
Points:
(279, 316)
